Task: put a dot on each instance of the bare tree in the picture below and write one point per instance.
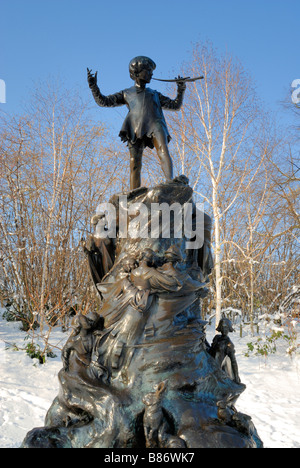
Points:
(223, 128)
(56, 166)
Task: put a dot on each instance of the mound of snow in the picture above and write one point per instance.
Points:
(272, 396)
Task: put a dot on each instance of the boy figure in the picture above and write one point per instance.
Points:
(144, 124)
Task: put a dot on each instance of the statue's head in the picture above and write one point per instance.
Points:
(80, 322)
(129, 263)
(148, 255)
(141, 65)
(225, 326)
(173, 254)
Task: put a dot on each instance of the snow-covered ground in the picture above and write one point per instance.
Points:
(27, 389)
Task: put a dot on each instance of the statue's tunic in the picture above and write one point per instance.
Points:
(145, 116)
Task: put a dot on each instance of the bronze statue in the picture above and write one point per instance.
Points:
(138, 371)
(82, 339)
(145, 124)
(222, 349)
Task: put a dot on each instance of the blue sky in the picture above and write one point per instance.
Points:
(60, 38)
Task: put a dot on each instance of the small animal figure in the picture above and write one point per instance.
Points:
(153, 416)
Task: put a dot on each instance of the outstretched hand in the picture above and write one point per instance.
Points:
(181, 84)
(92, 78)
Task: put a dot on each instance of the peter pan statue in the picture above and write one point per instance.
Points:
(144, 124)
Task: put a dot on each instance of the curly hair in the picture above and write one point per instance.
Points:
(139, 63)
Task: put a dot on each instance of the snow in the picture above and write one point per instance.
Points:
(27, 389)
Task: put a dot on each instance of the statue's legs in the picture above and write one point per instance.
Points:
(136, 153)
(160, 142)
(136, 149)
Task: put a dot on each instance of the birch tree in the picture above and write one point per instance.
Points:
(225, 131)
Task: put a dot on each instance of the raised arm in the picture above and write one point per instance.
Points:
(173, 104)
(113, 100)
